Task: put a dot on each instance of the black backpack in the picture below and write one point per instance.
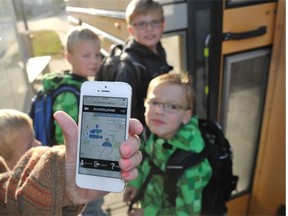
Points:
(108, 70)
(219, 188)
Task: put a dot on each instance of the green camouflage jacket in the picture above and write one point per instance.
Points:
(190, 184)
(66, 101)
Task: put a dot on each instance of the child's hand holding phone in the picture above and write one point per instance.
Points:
(104, 114)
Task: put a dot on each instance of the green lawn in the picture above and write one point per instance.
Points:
(47, 43)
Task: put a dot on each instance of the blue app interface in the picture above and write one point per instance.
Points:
(103, 130)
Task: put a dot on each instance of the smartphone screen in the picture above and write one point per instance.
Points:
(103, 130)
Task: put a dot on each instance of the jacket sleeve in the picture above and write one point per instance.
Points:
(127, 73)
(36, 184)
(67, 102)
(131, 74)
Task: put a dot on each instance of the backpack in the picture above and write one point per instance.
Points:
(141, 76)
(42, 112)
(108, 70)
(222, 182)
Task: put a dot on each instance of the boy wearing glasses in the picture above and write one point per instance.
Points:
(168, 115)
(145, 23)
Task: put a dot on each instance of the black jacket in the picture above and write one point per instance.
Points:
(145, 66)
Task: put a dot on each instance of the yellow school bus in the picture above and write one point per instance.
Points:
(235, 51)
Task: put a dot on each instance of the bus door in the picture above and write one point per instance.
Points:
(244, 38)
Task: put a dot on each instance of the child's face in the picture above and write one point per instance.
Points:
(85, 58)
(166, 121)
(147, 29)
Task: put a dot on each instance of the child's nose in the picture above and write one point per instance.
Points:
(159, 108)
(149, 26)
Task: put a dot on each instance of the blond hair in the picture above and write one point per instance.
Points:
(182, 79)
(142, 7)
(13, 124)
(80, 34)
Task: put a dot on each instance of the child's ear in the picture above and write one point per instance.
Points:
(164, 24)
(129, 29)
(68, 56)
(187, 116)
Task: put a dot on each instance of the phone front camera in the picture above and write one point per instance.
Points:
(105, 86)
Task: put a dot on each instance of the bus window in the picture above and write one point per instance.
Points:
(245, 78)
(174, 45)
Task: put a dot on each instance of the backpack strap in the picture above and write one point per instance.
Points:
(115, 48)
(66, 88)
(154, 170)
(176, 165)
(61, 89)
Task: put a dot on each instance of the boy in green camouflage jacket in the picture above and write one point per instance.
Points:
(168, 115)
(83, 53)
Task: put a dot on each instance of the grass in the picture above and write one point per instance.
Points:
(47, 43)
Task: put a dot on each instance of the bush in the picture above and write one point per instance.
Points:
(47, 43)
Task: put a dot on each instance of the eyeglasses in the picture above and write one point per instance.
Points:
(167, 107)
(143, 25)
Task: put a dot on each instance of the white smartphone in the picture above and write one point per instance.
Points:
(104, 113)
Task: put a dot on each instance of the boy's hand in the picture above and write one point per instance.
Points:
(129, 151)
